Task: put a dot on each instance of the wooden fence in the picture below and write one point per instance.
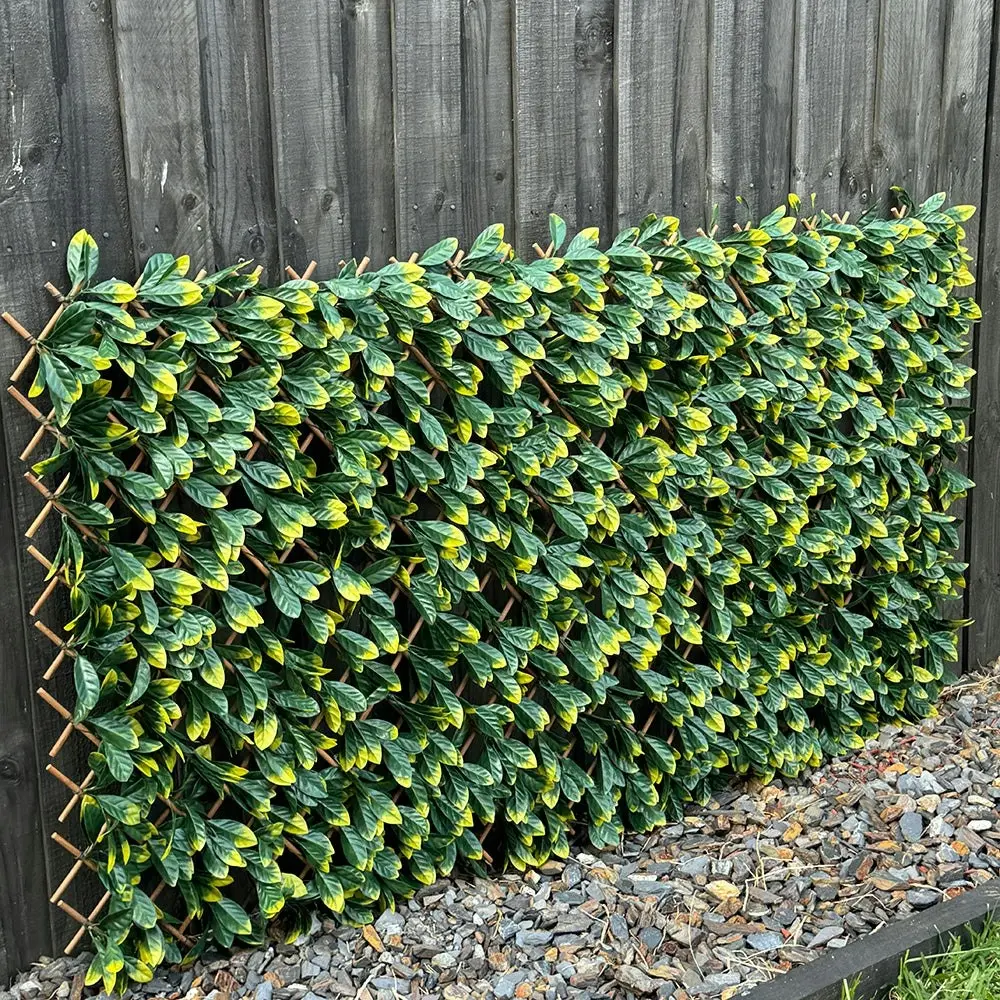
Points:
(285, 131)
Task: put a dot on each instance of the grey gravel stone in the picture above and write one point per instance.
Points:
(507, 983)
(694, 866)
(533, 939)
(619, 927)
(714, 984)
(920, 899)
(651, 937)
(825, 935)
(506, 929)
(911, 826)
(651, 887)
(390, 922)
(765, 942)
(635, 979)
(588, 971)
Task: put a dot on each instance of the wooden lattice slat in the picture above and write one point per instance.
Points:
(50, 503)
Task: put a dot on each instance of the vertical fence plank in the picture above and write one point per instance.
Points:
(833, 106)
(545, 118)
(237, 128)
(662, 84)
(961, 155)
(161, 100)
(60, 132)
(564, 102)
(33, 189)
(959, 170)
(930, 112)
(366, 35)
(751, 93)
(908, 96)
(595, 115)
(487, 116)
(25, 921)
(966, 107)
(310, 133)
(428, 101)
(90, 133)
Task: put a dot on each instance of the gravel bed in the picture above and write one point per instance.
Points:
(760, 880)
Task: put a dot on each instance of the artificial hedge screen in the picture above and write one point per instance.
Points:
(361, 567)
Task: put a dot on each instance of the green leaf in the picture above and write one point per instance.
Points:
(88, 687)
(439, 253)
(143, 909)
(231, 916)
(81, 258)
(557, 231)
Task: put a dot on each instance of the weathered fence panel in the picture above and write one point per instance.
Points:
(487, 113)
(236, 120)
(834, 102)
(309, 133)
(286, 132)
(427, 62)
(663, 132)
(983, 519)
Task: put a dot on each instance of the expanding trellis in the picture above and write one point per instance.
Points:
(359, 568)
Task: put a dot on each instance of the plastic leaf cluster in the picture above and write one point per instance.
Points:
(361, 569)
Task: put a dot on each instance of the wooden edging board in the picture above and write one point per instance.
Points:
(873, 961)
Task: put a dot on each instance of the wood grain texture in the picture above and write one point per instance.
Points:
(161, 102)
(969, 102)
(593, 58)
(965, 84)
(487, 116)
(366, 40)
(931, 95)
(62, 167)
(235, 117)
(545, 144)
(310, 133)
(662, 83)
(833, 110)
(908, 96)
(90, 132)
(427, 96)
(959, 170)
(751, 55)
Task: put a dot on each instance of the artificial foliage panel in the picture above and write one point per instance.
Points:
(366, 573)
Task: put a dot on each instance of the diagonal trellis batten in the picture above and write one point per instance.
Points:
(60, 891)
(418, 567)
